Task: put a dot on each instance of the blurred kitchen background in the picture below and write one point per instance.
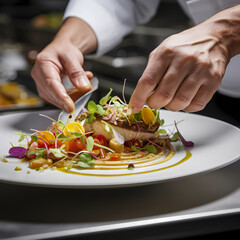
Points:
(26, 26)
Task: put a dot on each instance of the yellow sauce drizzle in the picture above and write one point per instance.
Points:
(188, 155)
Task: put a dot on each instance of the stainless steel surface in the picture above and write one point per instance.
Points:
(80, 103)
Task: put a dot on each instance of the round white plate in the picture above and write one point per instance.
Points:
(216, 145)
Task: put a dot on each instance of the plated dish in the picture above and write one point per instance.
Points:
(98, 149)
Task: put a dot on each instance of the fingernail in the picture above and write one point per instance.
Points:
(84, 82)
(67, 106)
(135, 109)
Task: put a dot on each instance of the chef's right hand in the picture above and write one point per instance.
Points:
(64, 55)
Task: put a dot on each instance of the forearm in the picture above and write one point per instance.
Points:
(79, 33)
(225, 26)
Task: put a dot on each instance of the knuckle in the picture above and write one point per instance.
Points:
(152, 54)
(203, 64)
(75, 73)
(196, 105)
(42, 56)
(216, 75)
(182, 98)
(173, 108)
(189, 57)
(178, 103)
(171, 76)
(168, 49)
(49, 83)
(165, 96)
(153, 104)
(146, 80)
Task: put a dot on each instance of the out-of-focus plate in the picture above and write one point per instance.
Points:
(216, 145)
(14, 96)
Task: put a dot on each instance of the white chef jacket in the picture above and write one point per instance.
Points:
(111, 20)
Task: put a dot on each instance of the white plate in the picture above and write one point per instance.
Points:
(216, 145)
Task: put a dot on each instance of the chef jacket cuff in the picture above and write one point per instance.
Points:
(102, 23)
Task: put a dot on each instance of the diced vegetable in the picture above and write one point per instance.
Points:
(116, 146)
(37, 163)
(115, 156)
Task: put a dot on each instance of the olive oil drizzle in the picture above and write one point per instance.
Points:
(187, 156)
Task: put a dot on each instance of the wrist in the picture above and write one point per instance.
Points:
(225, 26)
(79, 33)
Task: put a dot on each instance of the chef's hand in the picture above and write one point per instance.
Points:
(64, 55)
(186, 69)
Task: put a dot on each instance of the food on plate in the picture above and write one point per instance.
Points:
(106, 135)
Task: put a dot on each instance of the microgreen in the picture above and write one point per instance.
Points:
(57, 152)
(40, 152)
(85, 160)
(60, 125)
(76, 134)
(22, 136)
(100, 110)
(106, 98)
(175, 137)
(150, 148)
(90, 143)
(91, 118)
(92, 109)
(34, 138)
(162, 131)
(135, 149)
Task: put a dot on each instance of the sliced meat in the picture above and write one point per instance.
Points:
(98, 128)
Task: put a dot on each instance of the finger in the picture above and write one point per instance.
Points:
(203, 96)
(185, 93)
(170, 83)
(63, 103)
(50, 88)
(89, 74)
(75, 71)
(154, 71)
(203, 74)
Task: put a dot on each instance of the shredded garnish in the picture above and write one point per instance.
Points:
(122, 140)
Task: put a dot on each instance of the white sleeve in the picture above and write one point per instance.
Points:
(111, 20)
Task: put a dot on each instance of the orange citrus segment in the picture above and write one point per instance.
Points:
(147, 115)
(73, 127)
(46, 136)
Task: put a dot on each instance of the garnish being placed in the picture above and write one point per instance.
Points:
(107, 135)
(184, 142)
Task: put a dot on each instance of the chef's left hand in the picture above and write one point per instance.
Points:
(186, 69)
